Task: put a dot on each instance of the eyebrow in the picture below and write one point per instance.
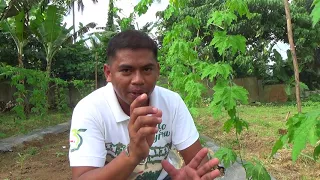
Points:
(126, 66)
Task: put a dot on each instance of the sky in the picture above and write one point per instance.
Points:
(98, 13)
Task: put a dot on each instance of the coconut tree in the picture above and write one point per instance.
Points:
(71, 5)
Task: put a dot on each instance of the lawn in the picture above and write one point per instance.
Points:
(46, 158)
(10, 126)
(266, 123)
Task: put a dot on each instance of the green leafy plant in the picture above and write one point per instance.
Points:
(188, 70)
(303, 129)
(315, 14)
(83, 86)
(60, 93)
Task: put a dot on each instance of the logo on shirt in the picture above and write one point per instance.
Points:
(161, 133)
(76, 140)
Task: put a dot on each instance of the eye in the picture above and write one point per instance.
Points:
(148, 69)
(125, 70)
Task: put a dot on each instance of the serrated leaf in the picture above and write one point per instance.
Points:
(223, 42)
(316, 152)
(279, 144)
(256, 171)
(168, 12)
(313, 137)
(239, 6)
(240, 124)
(142, 6)
(226, 156)
(232, 113)
(228, 125)
(302, 133)
(221, 18)
(315, 14)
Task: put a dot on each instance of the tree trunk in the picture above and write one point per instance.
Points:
(74, 22)
(293, 52)
(96, 70)
(20, 54)
(48, 69)
(20, 60)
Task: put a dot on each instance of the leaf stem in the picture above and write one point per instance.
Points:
(238, 140)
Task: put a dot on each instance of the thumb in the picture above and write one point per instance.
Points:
(169, 168)
(138, 102)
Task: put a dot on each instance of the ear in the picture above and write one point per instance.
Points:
(107, 72)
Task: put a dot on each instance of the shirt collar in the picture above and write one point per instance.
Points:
(116, 109)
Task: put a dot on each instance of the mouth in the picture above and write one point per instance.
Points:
(135, 94)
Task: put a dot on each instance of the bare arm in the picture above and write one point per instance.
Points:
(189, 153)
(119, 168)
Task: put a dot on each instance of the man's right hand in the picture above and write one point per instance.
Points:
(142, 127)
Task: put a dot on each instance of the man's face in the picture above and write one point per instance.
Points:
(132, 73)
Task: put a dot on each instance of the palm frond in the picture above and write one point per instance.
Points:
(83, 30)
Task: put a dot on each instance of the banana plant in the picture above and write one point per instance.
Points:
(14, 7)
(15, 26)
(52, 33)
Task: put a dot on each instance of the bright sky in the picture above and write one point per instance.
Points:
(98, 13)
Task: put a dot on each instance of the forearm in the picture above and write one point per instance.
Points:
(119, 168)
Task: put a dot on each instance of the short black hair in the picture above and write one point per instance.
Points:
(131, 39)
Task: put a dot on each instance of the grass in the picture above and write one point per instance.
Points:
(265, 122)
(9, 126)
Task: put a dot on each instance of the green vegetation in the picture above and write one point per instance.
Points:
(200, 41)
(10, 127)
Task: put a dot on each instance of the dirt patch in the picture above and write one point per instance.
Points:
(255, 145)
(40, 159)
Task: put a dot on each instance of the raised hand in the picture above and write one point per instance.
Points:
(142, 127)
(194, 171)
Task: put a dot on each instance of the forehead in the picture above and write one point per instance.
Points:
(134, 56)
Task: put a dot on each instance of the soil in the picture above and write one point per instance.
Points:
(39, 159)
(280, 166)
(48, 158)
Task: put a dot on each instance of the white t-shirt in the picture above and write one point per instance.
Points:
(99, 131)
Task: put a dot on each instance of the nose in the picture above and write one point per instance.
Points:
(137, 79)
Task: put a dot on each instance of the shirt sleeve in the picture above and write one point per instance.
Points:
(184, 131)
(87, 145)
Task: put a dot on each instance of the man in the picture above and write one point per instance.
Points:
(126, 129)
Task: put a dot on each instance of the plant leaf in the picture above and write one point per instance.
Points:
(256, 171)
(316, 152)
(279, 144)
(315, 14)
(227, 156)
(302, 133)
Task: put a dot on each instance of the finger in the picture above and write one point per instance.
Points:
(144, 121)
(204, 169)
(195, 162)
(138, 102)
(141, 111)
(191, 173)
(146, 131)
(169, 168)
(158, 114)
(212, 175)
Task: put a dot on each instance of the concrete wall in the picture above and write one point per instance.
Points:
(7, 91)
(257, 92)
